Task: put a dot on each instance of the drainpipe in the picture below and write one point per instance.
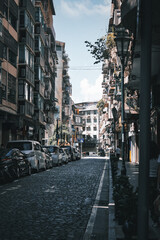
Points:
(143, 195)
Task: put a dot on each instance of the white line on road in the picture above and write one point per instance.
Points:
(91, 221)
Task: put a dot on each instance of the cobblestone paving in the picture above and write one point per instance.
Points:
(51, 205)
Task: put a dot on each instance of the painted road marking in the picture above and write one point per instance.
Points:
(91, 221)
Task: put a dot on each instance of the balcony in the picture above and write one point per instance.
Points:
(28, 6)
(129, 14)
(111, 91)
(40, 31)
(26, 108)
(39, 116)
(26, 38)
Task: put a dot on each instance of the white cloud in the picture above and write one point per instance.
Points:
(85, 7)
(91, 92)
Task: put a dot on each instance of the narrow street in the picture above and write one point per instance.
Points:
(55, 204)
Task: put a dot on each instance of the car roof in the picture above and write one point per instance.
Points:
(31, 141)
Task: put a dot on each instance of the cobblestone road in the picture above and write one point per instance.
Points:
(51, 205)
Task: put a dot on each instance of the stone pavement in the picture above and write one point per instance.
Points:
(115, 230)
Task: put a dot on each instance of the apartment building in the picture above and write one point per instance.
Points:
(27, 69)
(9, 22)
(63, 91)
(89, 113)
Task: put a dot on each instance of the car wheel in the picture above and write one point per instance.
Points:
(29, 170)
(37, 169)
(18, 172)
(45, 166)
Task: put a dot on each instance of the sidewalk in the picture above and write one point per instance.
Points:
(115, 230)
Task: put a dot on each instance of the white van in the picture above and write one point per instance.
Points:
(33, 150)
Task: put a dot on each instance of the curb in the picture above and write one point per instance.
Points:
(111, 205)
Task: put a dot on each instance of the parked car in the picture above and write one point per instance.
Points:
(78, 154)
(64, 155)
(54, 151)
(68, 155)
(48, 157)
(33, 151)
(71, 151)
(13, 164)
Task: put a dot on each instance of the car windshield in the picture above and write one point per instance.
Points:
(67, 147)
(20, 145)
(52, 149)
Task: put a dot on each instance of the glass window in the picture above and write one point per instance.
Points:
(4, 77)
(26, 91)
(0, 27)
(88, 120)
(22, 19)
(26, 56)
(37, 14)
(95, 111)
(5, 52)
(5, 10)
(20, 89)
(95, 119)
(13, 20)
(21, 54)
(0, 72)
(95, 128)
(12, 58)
(11, 88)
(37, 43)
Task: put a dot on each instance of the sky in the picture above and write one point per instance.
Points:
(75, 22)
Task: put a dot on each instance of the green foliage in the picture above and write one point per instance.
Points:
(101, 49)
(100, 105)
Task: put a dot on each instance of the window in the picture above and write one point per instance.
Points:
(58, 48)
(95, 136)
(4, 82)
(0, 72)
(88, 120)
(22, 21)
(95, 111)
(95, 128)
(5, 52)
(78, 120)
(88, 112)
(20, 90)
(95, 120)
(0, 27)
(21, 54)
(5, 11)
(13, 20)
(12, 58)
(11, 88)
(4, 76)
(88, 128)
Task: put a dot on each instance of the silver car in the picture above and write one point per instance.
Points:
(33, 151)
(54, 152)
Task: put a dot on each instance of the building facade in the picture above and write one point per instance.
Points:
(86, 125)
(28, 62)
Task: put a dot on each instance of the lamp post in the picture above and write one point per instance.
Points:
(57, 134)
(122, 42)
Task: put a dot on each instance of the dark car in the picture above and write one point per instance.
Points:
(71, 151)
(13, 164)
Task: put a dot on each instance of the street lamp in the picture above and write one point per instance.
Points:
(122, 42)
